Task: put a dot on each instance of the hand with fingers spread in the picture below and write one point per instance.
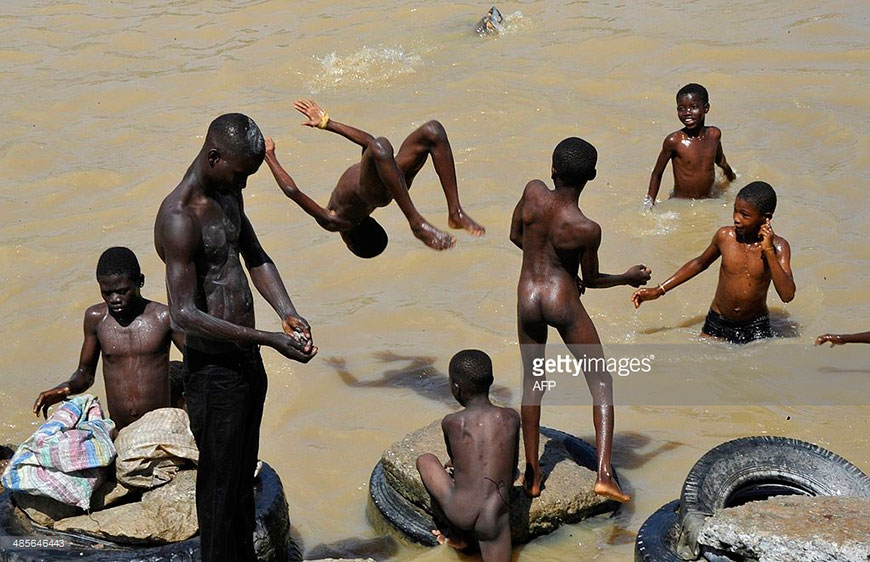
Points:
(317, 116)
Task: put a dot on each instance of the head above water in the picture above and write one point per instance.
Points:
(470, 374)
(696, 90)
(120, 278)
(574, 162)
(367, 239)
(759, 195)
(235, 148)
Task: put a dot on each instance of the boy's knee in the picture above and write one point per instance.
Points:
(381, 148)
(435, 131)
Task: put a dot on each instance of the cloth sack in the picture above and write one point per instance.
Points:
(151, 449)
(66, 458)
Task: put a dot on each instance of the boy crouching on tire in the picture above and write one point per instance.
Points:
(483, 445)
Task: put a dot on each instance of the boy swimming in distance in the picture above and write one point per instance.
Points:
(753, 256)
(692, 150)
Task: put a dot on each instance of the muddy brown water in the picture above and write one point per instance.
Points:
(105, 104)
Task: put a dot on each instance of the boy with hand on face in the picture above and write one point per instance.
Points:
(692, 150)
(752, 256)
(483, 445)
(132, 334)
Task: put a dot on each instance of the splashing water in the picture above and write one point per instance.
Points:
(367, 66)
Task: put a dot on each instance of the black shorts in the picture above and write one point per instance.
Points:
(745, 331)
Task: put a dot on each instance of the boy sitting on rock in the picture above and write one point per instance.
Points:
(483, 445)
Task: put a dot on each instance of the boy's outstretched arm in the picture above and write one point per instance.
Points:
(593, 279)
(722, 163)
(777, 253)
(840, 339)
(655, 178)
(83, 377)
(325, 218)
(689, 270)
(317, 117)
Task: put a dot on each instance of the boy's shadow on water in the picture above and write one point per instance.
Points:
(418, 374)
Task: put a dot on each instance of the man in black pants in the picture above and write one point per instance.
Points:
(200, 232)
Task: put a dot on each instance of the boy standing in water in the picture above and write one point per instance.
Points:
(752, 257)
(556, 239)
(132, 334)
(483, 445)
(376, 181)
(692, 150)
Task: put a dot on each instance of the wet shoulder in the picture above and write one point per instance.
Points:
(534, 191)
(158, 313)
(714, 132)
(674, 139)
(95, 314)
(726, 235)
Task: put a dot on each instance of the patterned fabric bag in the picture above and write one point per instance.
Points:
(66, 458)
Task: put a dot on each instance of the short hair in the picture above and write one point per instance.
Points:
(760, 195)
(367, 239)
(238, 136)
(574, 160)
(176, 382)
(695, 89)
(471, 369)
(118, 261)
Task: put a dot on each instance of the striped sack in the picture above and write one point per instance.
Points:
(66, 458)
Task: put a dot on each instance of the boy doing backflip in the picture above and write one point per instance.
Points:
(752, 257)
(483, 445)
(557, 239)
(692, 150)
(132, 334)
(378, 179)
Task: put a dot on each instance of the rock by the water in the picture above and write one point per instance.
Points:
(793, 529)
(43, 510)
(567, 497)
(6, 453)
(165, 514)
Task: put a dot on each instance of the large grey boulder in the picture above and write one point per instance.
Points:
(793, 529)
(165, 514)
(567, 496)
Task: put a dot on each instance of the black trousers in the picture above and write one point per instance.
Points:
(225, 395)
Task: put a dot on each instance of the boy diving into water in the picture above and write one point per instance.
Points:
(132, 334)
(752, 256)
(556, 239)
(483, 445)
(378, 179)
(692, 150)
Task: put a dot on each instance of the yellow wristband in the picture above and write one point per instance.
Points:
(324, 119)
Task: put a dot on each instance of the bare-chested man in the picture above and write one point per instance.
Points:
(556, 239)
(132, 334)
(483, 445)
(200, 233)
(692, 150)
(376, 181)
(753, 256)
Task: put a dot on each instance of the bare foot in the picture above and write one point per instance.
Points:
(531, 481)
(610, 490)
(461, 220)
(433, 237)
(458, 544)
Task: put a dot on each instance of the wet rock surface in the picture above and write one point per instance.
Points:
(567, 496)
(165, 514)
(792, 529)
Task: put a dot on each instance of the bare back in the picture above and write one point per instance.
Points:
(135, 361)
(483, 445)
(555, 235)
(214, 224)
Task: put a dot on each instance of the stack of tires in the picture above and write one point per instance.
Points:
(737, 472)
